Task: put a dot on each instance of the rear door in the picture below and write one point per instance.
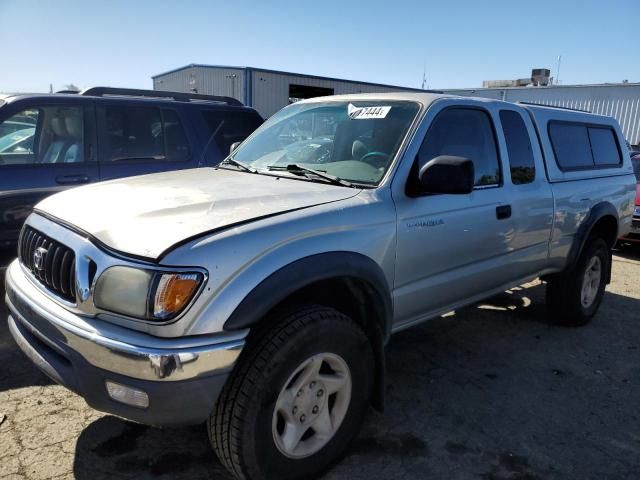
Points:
(529, 194)
(139, 138)
(47, 145)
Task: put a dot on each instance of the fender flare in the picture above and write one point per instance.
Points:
(306, 271)
(597, 212)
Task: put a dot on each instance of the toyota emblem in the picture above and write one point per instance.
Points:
(38, 258)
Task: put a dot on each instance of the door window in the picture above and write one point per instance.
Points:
(133, 133)
(176, 144)
(143, 133)
(43, 135)
(468, 133)
(523, 169)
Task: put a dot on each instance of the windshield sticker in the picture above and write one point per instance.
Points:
(362, 113)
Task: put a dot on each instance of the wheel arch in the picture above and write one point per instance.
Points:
(349, 282)
(603, 221)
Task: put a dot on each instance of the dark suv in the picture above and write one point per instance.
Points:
(49, 142)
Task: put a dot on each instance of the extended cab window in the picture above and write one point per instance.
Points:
(143, 133)
(464, 132)
(43, 135)
(228, 127)
(578, 146)
(523, 169)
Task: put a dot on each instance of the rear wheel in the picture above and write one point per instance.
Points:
(296, 399)
(573, 297)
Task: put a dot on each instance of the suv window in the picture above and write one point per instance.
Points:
(604, 146)
(468, 133)
(43, 135)
(228, 127)
(143, 133)
(176, 144)
(133, 133)
(578, 146)
(523, 169)
(635, 161)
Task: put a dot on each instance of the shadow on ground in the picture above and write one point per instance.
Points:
(490, 392)
(630, 251)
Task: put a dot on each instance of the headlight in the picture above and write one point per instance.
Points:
(145, 294)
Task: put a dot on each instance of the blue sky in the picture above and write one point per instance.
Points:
(123, 43)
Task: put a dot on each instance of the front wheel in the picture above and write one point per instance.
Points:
(573, 297)
(296, 399)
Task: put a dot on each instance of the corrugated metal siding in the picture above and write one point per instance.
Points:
(270, 91)
(621, 102)
(209, 81)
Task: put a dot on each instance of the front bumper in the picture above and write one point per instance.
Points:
(182, 377)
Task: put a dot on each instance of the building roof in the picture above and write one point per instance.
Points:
(549, 87)
(265, 70)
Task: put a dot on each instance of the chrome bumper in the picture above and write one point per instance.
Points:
(112, 348)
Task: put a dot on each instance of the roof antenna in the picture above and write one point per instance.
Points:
(424, 75)
(558, 70)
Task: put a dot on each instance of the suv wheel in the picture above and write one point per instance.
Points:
(573, 297)
(296, 399)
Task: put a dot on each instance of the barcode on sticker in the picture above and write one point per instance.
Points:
(361, 113)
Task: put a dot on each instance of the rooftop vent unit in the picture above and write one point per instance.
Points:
(540, 77)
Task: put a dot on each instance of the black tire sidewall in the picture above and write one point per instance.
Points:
(339, 336)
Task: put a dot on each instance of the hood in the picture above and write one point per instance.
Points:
(145, 216)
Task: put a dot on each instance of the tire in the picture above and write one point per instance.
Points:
(246, 429)
(567, 302)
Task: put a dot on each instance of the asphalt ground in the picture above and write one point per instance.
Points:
(491, 392)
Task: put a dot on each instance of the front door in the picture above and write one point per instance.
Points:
(44, 148)
(450, 248)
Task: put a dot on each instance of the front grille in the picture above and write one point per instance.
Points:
(55, 266)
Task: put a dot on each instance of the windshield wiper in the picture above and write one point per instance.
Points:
(296, 168)
(233, 161)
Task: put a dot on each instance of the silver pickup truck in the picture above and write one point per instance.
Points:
(259, 295)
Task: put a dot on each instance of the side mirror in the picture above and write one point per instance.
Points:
(447, 174)
(234, 145)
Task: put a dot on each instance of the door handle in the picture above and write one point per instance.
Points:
(72, 179)
(503, 212)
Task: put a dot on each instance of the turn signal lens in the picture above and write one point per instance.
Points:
(173, 293)
(127, 395)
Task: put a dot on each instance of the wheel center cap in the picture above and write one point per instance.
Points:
(309, 402)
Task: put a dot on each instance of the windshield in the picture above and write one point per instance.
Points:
(354, 141)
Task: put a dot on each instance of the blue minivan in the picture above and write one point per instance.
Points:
(49, 142)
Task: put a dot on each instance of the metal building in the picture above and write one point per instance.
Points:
(265, 90)
(621, 101)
